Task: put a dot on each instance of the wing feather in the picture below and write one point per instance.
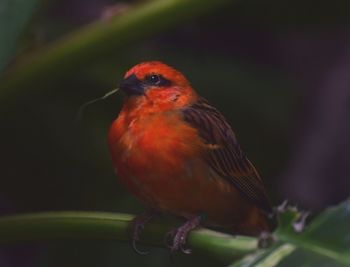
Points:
(224, 154)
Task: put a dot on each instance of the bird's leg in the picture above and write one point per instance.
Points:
(179, 235)
(138, 224)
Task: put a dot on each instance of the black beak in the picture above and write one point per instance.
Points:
(132, 86)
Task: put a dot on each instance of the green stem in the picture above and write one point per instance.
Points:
(113, 226)
(97, 41)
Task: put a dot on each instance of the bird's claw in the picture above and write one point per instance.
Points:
(175, 240)
(136, 237)
(179, 236)
(138, 251)
(168, 239)
(138, 225)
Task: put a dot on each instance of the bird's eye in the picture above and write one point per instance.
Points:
(153, 79)
(156, 80)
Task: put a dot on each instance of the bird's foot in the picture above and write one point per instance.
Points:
(138, 224)
(179, 235)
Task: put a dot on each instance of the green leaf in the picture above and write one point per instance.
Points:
(98, 40)
(14, 15)
(325, 242)
(269, 258)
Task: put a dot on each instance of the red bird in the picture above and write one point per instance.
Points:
(177, 154)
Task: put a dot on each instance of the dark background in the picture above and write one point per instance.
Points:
(279, 72)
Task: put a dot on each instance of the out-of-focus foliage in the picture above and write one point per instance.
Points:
(266, 65)
(325, 242)
(98, 40)
(14, 15)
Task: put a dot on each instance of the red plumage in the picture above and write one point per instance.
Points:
(177, 154)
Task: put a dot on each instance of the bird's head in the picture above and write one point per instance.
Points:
(157, 83)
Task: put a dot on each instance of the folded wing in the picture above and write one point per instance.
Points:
(224, 154)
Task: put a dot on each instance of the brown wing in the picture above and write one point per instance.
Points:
(224, 153)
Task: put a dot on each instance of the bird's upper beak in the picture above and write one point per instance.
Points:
(132, 86)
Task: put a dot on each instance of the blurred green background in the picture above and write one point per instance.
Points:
(278, 72)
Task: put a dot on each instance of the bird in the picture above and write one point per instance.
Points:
(178, 155)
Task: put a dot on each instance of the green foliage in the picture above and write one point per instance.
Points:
(97, 41)
(325, 242)
(14, 15)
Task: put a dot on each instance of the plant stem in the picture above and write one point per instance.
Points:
(97, 41)
(113, 226)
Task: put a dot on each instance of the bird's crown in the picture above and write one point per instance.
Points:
(145, 70)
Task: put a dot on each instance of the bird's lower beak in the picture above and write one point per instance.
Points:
(132, 86)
